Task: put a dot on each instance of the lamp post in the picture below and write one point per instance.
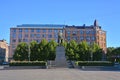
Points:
(28, 52)
(91, 56)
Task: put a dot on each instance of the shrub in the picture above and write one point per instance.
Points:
(94, 63)
(27, 63)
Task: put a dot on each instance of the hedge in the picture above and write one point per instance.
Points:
(28, 63)
(94, 63)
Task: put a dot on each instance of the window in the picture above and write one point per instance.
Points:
(92, 32)
(26, 35)
(93, 38)
(14, 40)
(25, 40)
(19, 36)
(101, 38)
(32, 35)
(44, 30)
(14, 30)
(56, 40)
(26, 30)
(81, 32)
(88, 38)
(49, 35)
(81, 38)
(56, 31)
(38, 35)
(19, 40)
(68, 38)
(74, 38)
(13, 35)
(61, 30)
(55, 36)
(44, 35)
(74, 32)
(37, 30)
(50, 30)
(32, 30)
(20, 30)
(13, 46)
(68, 32)
(87, 31)
(38, 41)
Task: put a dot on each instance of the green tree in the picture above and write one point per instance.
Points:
(109, 53)
(33, 51)
(64, 43)
(116, 55)
(51, 49)
(41, 50)
(97, 56)
(95, 52)
(21, 52)
(83, 51)
(71, 50)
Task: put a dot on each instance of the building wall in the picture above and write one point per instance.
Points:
(28, 33)
(89, 34)
(101, 39)
(79, 35)
(4, 50)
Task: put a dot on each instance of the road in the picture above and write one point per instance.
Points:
(58, 74)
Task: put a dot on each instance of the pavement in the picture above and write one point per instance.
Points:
(58, 74)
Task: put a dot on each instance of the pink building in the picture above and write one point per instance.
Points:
(28, 32)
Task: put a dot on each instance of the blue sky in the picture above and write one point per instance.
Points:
(71, 12)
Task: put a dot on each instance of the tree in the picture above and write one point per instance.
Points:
(115, 55)
(64, 43)
(51, 50)
(33, 51)
(95, 52)
(97, 55)
(83, 51)
(109, 53)
(71, 50)
(21, 52)
(41, 50)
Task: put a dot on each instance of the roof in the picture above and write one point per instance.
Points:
(80, 27)
(41, 25)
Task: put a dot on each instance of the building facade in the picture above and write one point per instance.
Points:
(29, 32)
(3, 51)
(90, 34)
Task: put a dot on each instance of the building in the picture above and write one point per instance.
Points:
(3, 51)
(90, 34)
(28, 32)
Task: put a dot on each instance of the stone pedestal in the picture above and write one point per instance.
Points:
(60, 60)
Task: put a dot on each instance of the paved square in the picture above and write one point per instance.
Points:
(58, 74)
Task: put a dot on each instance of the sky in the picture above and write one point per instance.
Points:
(70, 12)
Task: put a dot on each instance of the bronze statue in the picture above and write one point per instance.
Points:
(60, 38)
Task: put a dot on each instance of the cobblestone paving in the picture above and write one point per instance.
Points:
(58, 74)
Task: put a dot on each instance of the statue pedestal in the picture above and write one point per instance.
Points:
(60, 60)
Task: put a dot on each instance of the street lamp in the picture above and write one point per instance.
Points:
(91, 55)
(28, 52)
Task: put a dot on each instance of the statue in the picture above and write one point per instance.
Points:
(60, 38)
